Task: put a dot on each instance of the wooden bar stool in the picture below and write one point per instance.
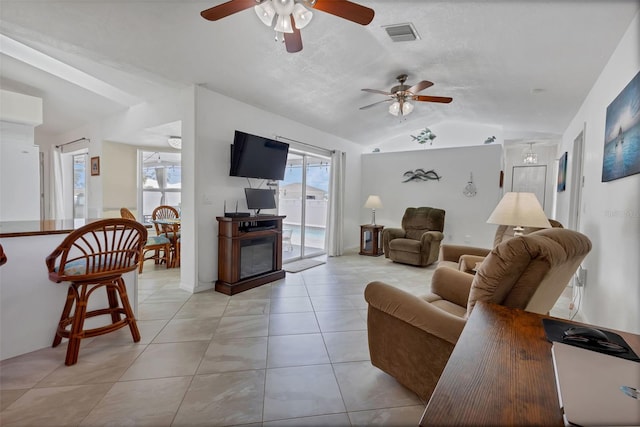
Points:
(93, 257)
(3, 256)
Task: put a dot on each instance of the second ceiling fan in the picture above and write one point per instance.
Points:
(401, 94)
(291, 15)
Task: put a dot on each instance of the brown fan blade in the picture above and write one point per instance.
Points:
(377, 91)
(347, 10)
(225, 9)
(293, 41)
(375, 103)
(420, 86)
(442, 99)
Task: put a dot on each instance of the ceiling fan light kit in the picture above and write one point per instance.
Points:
(291, 13)
(400, 109)
(401, 95)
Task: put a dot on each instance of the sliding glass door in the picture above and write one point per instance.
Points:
(304, 199)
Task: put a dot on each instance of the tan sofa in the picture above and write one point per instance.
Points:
(411, 337)
(418, 241)
(465, 258)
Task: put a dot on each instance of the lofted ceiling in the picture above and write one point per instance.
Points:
(525, 66)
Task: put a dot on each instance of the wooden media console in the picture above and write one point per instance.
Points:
(249, 252)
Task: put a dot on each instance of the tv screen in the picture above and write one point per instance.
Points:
(257, 157)
(258, 198)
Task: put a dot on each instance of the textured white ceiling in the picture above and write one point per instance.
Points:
(523, 65)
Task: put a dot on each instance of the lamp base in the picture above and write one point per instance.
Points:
(373, 217)
(518, 231)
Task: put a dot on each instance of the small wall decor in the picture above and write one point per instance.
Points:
(421, 175)
(622, 134)
(470, 190)
(562, 172)
(95, 166)
(490, 140)
(424, 136)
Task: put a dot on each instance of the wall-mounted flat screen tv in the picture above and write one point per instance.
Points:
(253, 156)
(260, 198)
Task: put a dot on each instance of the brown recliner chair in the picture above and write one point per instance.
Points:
(411, 337)
(418, 241)
(465, 258)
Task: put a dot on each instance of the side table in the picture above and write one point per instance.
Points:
(371, 239)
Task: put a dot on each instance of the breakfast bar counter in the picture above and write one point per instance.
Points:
(39, 228)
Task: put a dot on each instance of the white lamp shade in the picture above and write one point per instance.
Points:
(519, 209)
(283, 7)
(407, 108)
(265, 12)
(301, 16)
(394, 108)
(373, 202)
(283, 24)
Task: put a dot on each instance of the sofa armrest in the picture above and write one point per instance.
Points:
(388, 234)
(431, 236)
(452, 285)
(414, 310)
(468, 263)
(454, 252)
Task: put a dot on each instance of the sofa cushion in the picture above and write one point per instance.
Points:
(405, 245)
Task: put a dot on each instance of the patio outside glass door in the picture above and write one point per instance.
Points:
(304, 198)
(80, 185)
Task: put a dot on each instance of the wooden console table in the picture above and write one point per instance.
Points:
(500, 373)
(249, 252)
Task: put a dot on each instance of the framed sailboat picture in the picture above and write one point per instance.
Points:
(622, 134)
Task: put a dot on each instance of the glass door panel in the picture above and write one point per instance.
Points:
(303, 199)
(316, 202)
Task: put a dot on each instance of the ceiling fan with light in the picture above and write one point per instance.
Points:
(401, 94)
(291, 15)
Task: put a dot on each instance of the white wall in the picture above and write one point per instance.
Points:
(610, 210)
(449, 134)
(119, 164)
(19, 198)
(19, 157)
(465, 218)
(217, 117)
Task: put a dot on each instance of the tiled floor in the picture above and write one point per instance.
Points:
(289, 353)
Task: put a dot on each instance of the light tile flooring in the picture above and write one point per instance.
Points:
(289, 353)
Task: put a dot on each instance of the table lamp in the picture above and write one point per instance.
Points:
(520, 210)
(373, 202)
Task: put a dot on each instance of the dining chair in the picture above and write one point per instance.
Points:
(159, 246)
(163, 212)
(171, 231)
(92, 257)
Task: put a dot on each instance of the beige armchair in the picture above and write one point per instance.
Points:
(418, 241)
(465, 258)
(411, 337)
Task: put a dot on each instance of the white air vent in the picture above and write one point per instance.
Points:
(402, 32)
